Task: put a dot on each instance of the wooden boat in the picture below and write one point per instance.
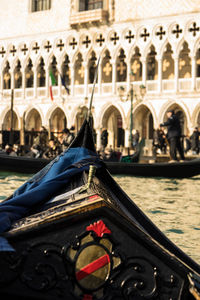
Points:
(22, 164)
(70, 233)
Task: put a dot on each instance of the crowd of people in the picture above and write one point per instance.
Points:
(42, 146)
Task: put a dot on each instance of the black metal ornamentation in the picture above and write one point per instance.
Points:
(43, 269)
(12, 262)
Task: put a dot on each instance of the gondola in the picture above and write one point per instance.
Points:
(70, 232)
(190, 168)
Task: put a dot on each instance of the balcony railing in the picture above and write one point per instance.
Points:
(79, 89)
(18, 93)
(198, 84)
(185, 84)
(90, 87)
(168, 85)
(95, 15)
(41, 92)
(152, 86)
(29, 92)
(106, 88)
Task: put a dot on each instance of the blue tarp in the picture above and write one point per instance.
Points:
(43, 186)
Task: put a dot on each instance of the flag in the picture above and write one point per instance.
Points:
(52, 83)
(63, 83)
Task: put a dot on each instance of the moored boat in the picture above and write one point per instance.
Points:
(71, 232)
(190, 168)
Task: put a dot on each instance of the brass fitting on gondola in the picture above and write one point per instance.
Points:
(92, 172)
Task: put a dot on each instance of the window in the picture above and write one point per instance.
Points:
(90, 4)
(38, 5)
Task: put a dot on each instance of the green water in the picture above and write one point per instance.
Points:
(173, 205)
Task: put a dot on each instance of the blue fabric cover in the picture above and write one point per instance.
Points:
(43, 186)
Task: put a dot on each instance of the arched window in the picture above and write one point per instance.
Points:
(106, 68)
(136, 66)
(66, 74)
(185, 68)
(92, 67)
(53, 68)
(152, 64)
(18, 76)
(167, 63)
(79, 70)
(121, 67)
(29, 75)
(90, 4)
(6, 77)
(41, 76)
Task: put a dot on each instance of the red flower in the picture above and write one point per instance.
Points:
(99, 228)
(87, 297)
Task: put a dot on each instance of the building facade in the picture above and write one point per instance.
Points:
(151, 46)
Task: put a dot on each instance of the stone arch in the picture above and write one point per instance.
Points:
(112, 120)
(182, 113)
(10, 136)
(6, 125)
(180, 45)
(195, 120)
(57, 120)
(117, 51)
(33, 120)
(163, 48)
(144, 120)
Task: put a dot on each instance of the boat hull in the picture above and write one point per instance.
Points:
(51, 258)
(170, 170)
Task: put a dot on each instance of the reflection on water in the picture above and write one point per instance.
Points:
(173, 205)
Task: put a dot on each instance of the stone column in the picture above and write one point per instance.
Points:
(100, 78)
(59, 82)
(128, 80)
(144, 71)
(21, 131)
(35, 74)
(12, 78)
(159, 59)
(98, 144)
(1, 88)
(23, 84)
(114, 76)
(72, 78)
(126, 139)
(193, 73)
(85, 65)
(176, 74)
(47, 81)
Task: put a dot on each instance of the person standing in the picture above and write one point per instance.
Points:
(195, 141)
(174, 136)
(104, 138)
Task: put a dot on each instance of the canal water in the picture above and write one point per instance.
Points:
(172, 204)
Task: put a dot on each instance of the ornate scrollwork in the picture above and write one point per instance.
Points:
(43, 269)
